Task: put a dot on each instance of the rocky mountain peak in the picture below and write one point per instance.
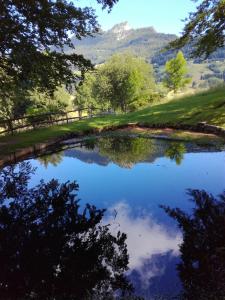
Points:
(121, 30)
(120, 27)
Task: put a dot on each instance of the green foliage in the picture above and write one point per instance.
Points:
(205, 28)
(125, 151)
(102, 89)
(32, 34)
(126, 82)
(18, 99)
(176, 71)
(207, 106)
(214, 81)
(44, 103)
(36, 106)
(14, 99)
(84, 97)
(51, 159)
(176, 152)
(123, 83)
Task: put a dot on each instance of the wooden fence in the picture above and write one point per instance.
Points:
(43, 120)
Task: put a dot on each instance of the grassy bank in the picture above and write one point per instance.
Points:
(207, 107)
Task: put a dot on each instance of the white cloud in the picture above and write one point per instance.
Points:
(145, 238)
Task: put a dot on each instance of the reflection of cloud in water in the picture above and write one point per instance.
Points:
(146, 239)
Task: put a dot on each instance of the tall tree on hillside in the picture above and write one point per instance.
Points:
(176, 73)
(33, 32)
(205, 28)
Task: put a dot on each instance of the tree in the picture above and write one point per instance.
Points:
(18, 100)
(176, 73)
(40, 103)
(202, 266)
(51, 159)
(14, 99)
(101, 90)
(176, 151)
(84, 97)
(126, 82)
(125, 151)
(205, 28)
(50, 248)
(24, 102)
(33, 32)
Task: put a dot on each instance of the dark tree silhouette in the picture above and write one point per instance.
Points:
(204, 28)
(49, 248)
(32, 32)
(202, 267)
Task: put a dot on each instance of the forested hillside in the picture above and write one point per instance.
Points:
(148, 43)
(145, 42)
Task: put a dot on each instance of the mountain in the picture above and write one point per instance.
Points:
(148, 43)
(145, 42)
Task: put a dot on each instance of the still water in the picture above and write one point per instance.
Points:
(131, 178)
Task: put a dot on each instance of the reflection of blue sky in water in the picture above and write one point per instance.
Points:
(133, 195)
(145, 237)
(153, 250)
(145, 185)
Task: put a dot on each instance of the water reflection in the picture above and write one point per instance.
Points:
(51, 159)
(145, 237)
(49, 249)
(153, 252)
(202, 266)
(176, 152)
(123, 151)
(161, 282)
(37, 230)
(128, 151)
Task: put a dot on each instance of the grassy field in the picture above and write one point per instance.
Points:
(208, 106)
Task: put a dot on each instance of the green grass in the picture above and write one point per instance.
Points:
(207, 106)
(171, 134)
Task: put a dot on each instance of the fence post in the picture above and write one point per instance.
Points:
(51, 119)
(67, 121)
(80, 114)
(90, 112)
(10, 126)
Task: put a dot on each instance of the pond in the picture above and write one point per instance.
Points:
(131, 177)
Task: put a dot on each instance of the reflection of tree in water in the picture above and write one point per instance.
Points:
(202, 268)
(176, 152)
(125, 151)
(90, 143)
(51, 250)
(51, 159)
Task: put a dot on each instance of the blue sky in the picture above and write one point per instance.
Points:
(164, 15)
